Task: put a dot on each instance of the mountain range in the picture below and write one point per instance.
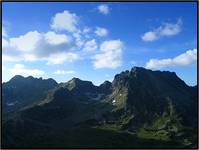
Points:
(140, 108)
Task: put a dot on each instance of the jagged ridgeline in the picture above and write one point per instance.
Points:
(139, 109)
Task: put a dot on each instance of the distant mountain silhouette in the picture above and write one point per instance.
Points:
(20, 92)
(148, 106)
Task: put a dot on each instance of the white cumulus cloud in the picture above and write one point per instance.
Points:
(90, 46)
(27, 42)
(104, 9)
(110, 55)
(20, 69)
(33, 46)
(65, 21)
(101, 31)
(56, 39)
(184, 59)
(60, 58)
(67, 42)
(167, 29)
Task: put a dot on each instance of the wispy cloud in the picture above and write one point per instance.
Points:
(104, 9)
(184, 59)
(60, 58)
(101, 31)
(4, 43)
(64, 72)
(90, 46)
(167, 29)
(4, 32)
(150, 36)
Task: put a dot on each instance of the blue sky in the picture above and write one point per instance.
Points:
(96, 40)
